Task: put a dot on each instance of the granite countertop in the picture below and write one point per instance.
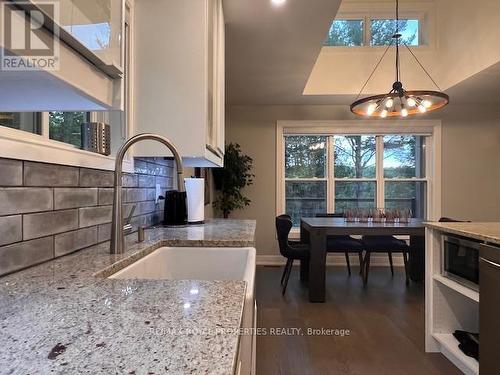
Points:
(64, 316)
(487, 231)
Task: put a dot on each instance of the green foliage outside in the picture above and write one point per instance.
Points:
(354, 158)
(66, 127)
(350, 32)
(231, 179)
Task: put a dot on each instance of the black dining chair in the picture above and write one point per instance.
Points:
(344, 244)
(385, 244)
(290, 250)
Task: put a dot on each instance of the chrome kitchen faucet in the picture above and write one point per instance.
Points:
(117, 227)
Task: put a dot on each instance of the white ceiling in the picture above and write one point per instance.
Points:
(270, 50)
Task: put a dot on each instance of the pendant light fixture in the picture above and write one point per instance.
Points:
(399, 101)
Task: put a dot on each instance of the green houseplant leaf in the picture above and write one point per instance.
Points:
(231, 179)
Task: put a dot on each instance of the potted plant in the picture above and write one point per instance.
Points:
(231, 179)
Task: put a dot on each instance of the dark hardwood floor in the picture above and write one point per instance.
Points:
(386, 323)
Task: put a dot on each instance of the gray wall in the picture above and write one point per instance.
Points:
(470, 160)
(48, 210)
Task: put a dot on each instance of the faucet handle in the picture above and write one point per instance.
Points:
(129, 218)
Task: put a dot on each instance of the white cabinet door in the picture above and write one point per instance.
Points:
(216, 79)
(179, 78)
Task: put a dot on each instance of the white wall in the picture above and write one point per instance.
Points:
(470, 161)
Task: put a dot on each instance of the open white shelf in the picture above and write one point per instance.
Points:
(449, 306)
(457, 287)
(449, 348)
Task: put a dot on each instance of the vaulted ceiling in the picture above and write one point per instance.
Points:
(274, 54)
(271, 50)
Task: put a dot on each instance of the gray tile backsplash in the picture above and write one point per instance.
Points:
(74, 197)
(11, 229)
(47, 223)
(39, 174)
(12, 172)
(24, 254)
(20, 200)
(48, 210)
(95, 178)
(68, 242)
(95, 215)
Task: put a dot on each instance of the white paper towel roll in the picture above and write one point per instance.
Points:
(195, 190)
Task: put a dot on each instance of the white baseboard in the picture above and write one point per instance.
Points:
(334, 260)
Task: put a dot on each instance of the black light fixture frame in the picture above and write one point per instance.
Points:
(434, 99)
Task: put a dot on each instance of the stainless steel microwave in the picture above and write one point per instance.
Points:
(460, 260)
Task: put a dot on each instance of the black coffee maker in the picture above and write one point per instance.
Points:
(175, 208)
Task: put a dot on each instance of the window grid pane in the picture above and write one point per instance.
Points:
(404, 156)
(305, 199)
(347, 33)
(26, 121)
(407, 195)
(382, 31)
(67, 127)
(305, 156)
(349, 195)
(355, 156)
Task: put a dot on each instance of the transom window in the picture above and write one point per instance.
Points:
(332, 173)
(373, 31)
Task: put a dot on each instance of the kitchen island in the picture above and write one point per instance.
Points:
(454, 304)
(66, 316)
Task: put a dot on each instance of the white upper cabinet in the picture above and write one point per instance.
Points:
(64, 55)
(179, 78)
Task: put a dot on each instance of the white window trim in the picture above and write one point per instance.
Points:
(431, 128)
(22, 145)
(424, 12)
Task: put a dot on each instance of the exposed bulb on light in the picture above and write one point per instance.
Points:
(411, 102)
(371, 109)
(389, 103)
(384, 113)
(422, 109)
(278, 2)
(404, 112)
(427, 103)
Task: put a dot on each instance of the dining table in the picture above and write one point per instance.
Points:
(315, 231)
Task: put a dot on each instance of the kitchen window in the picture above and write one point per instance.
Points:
(334, 172)
(67, 126)
(62, 126)
(55, 137)
(30, 122)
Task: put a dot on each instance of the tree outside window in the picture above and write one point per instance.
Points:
(351, 174)
(66, 127)
(351, 33)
